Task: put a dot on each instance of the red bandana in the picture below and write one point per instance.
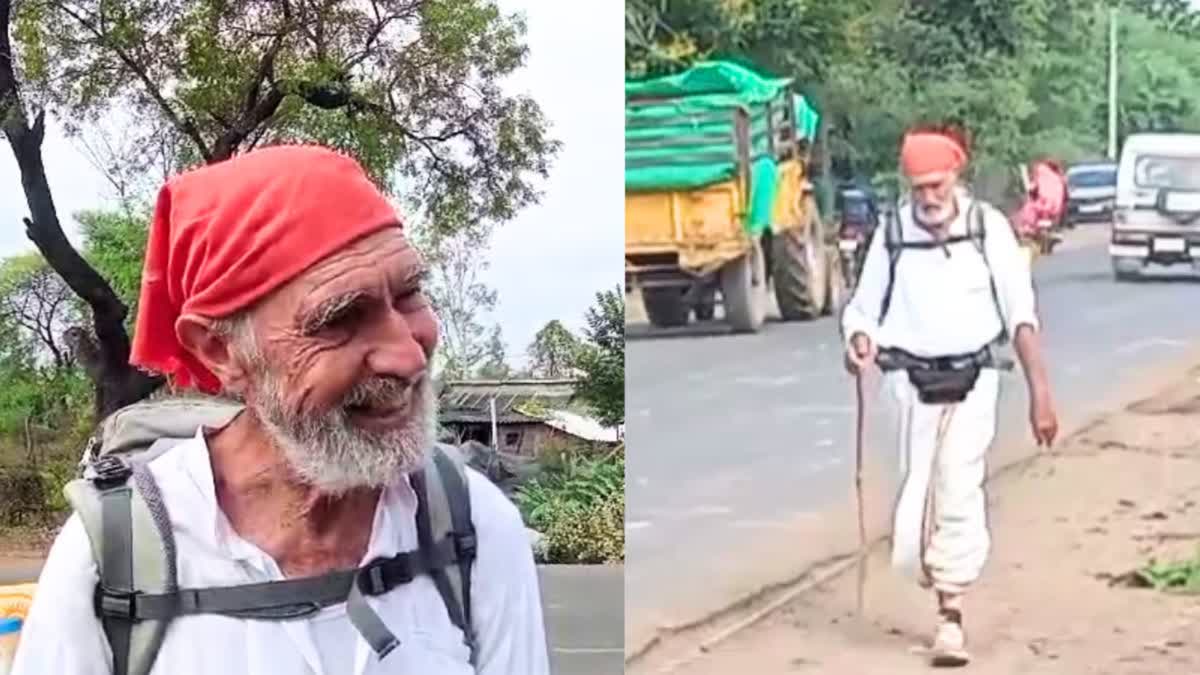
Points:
(929, 153)
(228, 234)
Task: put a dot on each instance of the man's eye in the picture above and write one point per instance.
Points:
(411, 300)
(341, 321)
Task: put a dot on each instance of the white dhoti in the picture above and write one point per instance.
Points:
(940, 526)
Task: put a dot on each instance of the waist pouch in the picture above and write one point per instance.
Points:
(943, 386)
(939, 380)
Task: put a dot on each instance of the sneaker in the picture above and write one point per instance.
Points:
(949, 644)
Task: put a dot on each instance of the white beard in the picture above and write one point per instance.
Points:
(328, 452)
(936, 218)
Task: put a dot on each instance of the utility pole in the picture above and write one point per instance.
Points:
(1112, 83)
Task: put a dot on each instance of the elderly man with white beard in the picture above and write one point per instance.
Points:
(282, 279)
(942, 288)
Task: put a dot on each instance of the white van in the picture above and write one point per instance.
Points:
(1157, 215)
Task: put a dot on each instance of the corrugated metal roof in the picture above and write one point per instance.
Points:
(463, 397)
(477, 417)
(580, 426)
(518, 402)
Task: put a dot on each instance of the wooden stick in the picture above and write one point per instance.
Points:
(858, 490)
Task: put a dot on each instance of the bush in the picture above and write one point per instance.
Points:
(1175, 576)
(49, 398)
(578, 503)
(594, 534)
(55, 475)
(25, 497)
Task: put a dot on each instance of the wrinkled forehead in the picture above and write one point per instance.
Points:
(937, 179)
(382, 259)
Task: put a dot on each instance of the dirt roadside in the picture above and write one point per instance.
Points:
(1122, 491)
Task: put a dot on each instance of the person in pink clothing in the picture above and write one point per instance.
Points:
(1044, 204)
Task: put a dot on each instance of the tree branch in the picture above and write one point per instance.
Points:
(119, 384)
(381, 24)
(185, 125)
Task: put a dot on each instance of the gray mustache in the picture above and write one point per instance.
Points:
(376, 392)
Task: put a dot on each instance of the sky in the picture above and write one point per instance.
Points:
(552, 259)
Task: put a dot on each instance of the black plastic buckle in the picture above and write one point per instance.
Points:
(110, 471)
(464, 546)
(116, 604)
(383, 574)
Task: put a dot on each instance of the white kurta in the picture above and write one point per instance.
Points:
(943, 305)
(63, 635)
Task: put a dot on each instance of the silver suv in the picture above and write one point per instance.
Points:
(1157, 215)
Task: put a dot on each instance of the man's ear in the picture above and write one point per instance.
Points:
(213, 350)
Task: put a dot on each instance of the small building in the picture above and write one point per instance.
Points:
(529, 415)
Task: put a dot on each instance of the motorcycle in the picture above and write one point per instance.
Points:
(1047, 237)
(852, 249)
(1036, 236)
(858, 216)
(1040, 217)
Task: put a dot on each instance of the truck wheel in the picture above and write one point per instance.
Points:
(744, 291)
(665, 307)
(705, 308)
(839, 287)
(1127, 269)
(801, 272)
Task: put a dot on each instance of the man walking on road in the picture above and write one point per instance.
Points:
(943, 283)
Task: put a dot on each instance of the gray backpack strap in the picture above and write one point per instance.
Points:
(127, 522)
(129, 530)
(977, 231)
(976, 228)
(893, 242)
(444, 512)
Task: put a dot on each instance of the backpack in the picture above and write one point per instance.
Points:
(127, 523)
(894, 243)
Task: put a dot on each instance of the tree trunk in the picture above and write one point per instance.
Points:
(117, 383)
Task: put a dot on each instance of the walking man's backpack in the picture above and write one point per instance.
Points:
(895, 244)
(138, 595)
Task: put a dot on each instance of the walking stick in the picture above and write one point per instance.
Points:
(858, 490)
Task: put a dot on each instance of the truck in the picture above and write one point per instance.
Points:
(1156, 220)
(718, 202)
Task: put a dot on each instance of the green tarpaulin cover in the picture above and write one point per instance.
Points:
(686, 142)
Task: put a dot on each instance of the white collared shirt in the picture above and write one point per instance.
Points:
(62, 635)
(942, 301)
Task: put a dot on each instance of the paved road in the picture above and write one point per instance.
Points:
(584, 612)
(741, 445)
(585, 615)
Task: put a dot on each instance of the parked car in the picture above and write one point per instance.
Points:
(1091, 192)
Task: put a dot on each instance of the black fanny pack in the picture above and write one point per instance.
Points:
(944, 386)
(939, 380)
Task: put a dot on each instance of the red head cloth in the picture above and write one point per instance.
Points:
(226, 235)
(927, 153)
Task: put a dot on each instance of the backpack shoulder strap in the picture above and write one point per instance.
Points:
(893, 242)
(976, 227)
(126, 519)
(129, 529)
(977, 232)
(444, 512)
